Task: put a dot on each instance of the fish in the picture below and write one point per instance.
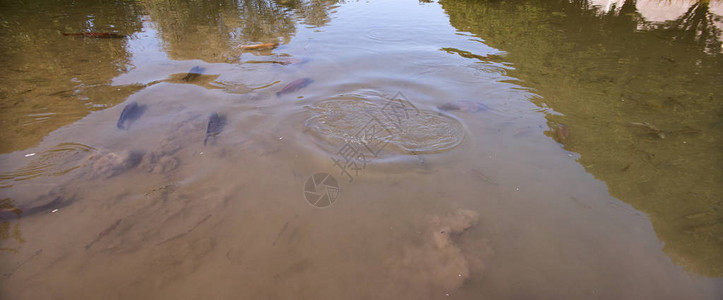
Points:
(283, 62)
(650, 128)
(215, 126)
(293, 61)
(482, 176)
(22, 263)
(561, 133)
(294, 269)
(464, 105)
(264, 46)
(130, 113)
(194, 73)
(104, 233)
(98, 35)
(286, 225)
(295, 86)
(186, 232)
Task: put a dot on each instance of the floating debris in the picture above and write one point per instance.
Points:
(264, 46)
(215, 126)
(295, 86)
(130, 113)
(97, 35)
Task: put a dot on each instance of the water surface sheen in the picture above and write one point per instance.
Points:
(521, 149)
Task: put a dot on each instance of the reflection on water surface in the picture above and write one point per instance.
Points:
(643, 107)
(550, 149)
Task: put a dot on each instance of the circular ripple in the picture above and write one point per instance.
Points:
(377, 125)
(389, 34)
(60, 160)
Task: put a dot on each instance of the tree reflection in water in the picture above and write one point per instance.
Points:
(606, 73)
(212, 30)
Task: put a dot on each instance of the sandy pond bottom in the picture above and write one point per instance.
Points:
(486, 219)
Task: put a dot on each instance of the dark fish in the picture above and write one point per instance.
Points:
(215, 126)
(293, 61)
(130, 113)
(22, 263)
(98, 35)
(186, 232)
(294, 269)
(464, 105)
(104, 233)
(286, 225)
(194, 73)
(295, 86)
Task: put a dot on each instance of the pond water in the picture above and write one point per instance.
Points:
(383, 149)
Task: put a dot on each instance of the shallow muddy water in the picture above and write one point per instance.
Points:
(366, 150)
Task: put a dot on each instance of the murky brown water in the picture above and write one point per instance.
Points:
(478, 149)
